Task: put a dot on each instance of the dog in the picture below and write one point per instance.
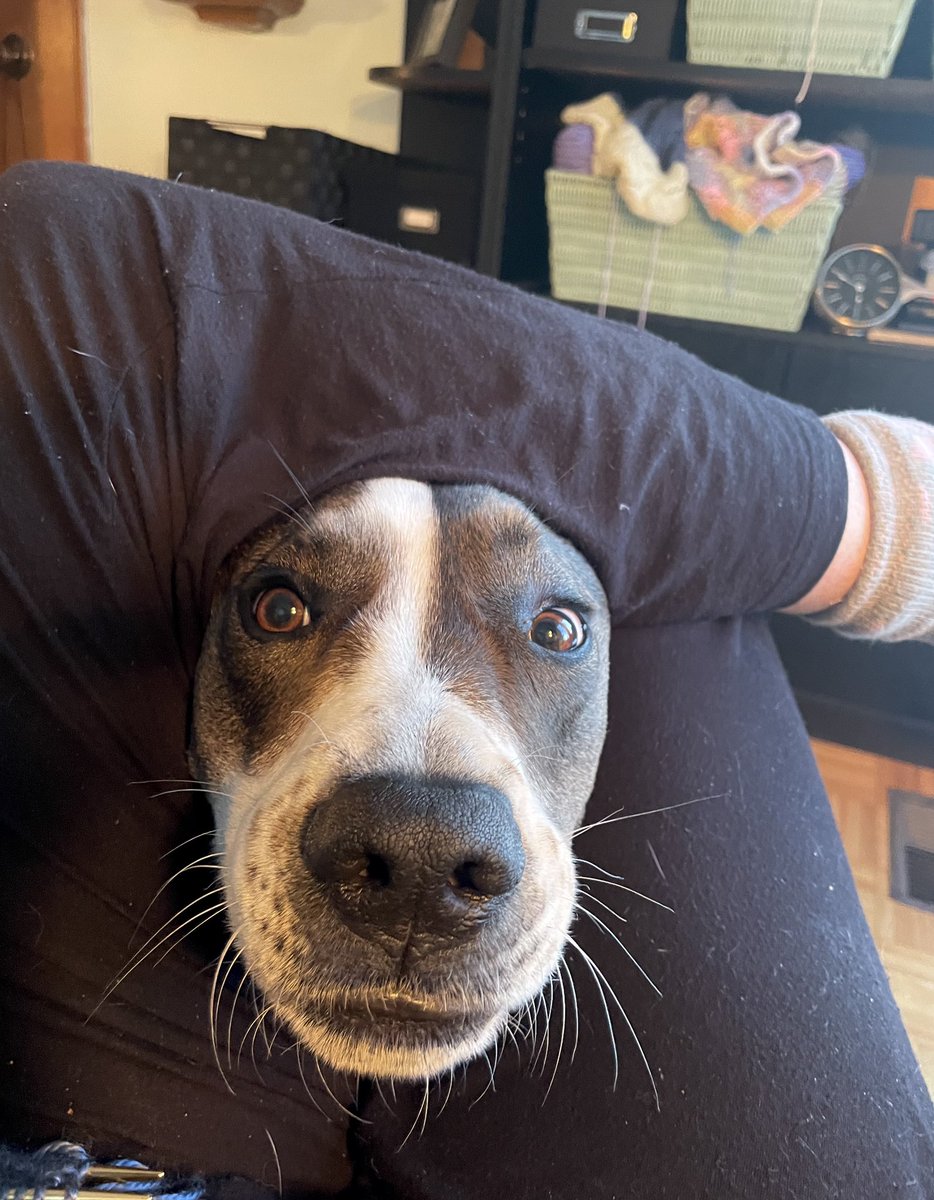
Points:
(400, 706)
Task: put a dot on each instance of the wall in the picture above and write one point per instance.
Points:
(147, 59)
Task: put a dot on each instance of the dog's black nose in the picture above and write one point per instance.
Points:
(398, 854)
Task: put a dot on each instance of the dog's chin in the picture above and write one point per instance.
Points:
(404, 1046)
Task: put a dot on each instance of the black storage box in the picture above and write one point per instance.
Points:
(643, 29)
(301, 169)
(419, 207)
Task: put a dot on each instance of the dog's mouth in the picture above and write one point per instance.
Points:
(395, 1036)
(395, 1012)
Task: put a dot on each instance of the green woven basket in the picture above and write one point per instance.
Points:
(601, 252)
(854, 37)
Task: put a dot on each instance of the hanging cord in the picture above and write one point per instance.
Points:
(812, 54)
(608, 258)
(731, 267)
(649, 278)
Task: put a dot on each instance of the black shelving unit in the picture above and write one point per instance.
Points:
(911, 97)
(500, 124)
(433, 80)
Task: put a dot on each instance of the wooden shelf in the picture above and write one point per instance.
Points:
(910, 97)
(812, 335)
(433, 81)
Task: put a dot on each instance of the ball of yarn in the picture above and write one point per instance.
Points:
(854, 161)
(573, 149)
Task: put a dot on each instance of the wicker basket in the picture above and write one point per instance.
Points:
(601, 252)
(854, 37)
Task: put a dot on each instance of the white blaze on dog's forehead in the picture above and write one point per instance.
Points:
(398, 519)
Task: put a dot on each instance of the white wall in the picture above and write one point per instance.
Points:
(147, 59)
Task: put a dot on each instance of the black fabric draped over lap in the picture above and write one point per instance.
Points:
(175, 366)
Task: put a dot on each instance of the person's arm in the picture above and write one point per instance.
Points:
(847, 564)
(880, 583)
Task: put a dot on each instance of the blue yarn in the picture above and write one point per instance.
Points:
(65, 1165)
(144, 1188)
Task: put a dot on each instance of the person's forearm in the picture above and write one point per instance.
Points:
(847, 564)
(880, 583)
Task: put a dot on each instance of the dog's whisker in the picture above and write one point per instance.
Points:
(623, 888)
(205, 783)
(450, 1075)
(548, 1024)
(612, 817)
(128, 971)
(573, 988)
(299, 1050)
(302, 491)
(213, 1027)
(489, 1085)
(187, 841)
(265, 1035)
(584, 890)
(253, 1025)
(344, 1109)
(192, 866)
(586, 862)
(275, 1154)
(510, 1033)
(606, 1011)
(531, 1011)
(498, 1046)
(542, 1053)
(564, 1015)
(382, 1096)
(257, 1026)
(289, 511)
(421, 1132)
(593, 967)
(233, 1006)
(153, 936)
(140, 956)
(414, 1124)
(625, 949)
(209, 916)
(196, 791)
(292, 511)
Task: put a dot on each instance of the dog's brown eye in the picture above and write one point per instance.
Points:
(280, 610)
(559, 629)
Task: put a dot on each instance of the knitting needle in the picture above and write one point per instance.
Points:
(125, 1174)
(81, 1194)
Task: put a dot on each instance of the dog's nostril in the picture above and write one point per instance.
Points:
(484, 879)
(377, 870)
(465, 879)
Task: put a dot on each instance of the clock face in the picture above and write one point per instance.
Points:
(859, 287)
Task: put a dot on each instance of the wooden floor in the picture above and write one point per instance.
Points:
(858, 785)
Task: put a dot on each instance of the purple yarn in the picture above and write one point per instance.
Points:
(854, 161)
(573, 149)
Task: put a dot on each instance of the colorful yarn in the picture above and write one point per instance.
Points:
(573, 149)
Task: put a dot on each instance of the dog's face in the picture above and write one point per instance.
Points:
(400, 705)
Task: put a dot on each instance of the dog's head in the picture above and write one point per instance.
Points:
(400, 705)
